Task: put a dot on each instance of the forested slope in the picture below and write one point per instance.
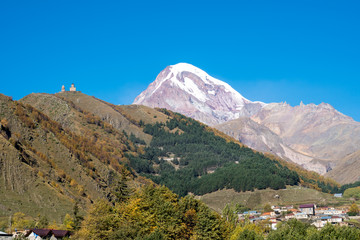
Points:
(186, 157)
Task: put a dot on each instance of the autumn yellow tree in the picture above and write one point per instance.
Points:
(20, 221)
(353, 210)
(68, 222)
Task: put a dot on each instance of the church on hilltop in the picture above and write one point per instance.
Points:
(72, 88)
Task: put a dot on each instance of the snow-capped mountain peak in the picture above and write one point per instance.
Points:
(189, 90)
(207, 79)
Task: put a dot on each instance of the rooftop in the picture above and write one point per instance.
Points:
(307, 206)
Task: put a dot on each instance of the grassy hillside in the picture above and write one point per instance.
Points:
(21, 187)
(47, 165)
(257, 199)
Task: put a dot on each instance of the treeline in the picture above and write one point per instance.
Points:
(344, 187)
(310, 179)
(153, 212)
(332, 188)
(186, 157)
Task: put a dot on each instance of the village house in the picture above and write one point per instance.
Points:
(333, 211)
(254, 219)
(320, 223)
(274, 221)
(301, 215)
(5, 236)
(251, 213)
(308, 209)
(321, 210)
(338, 195)
(336, 219)
(51, 234)
(289, 216)
(293, 210)
(280, 209)
(276, 209)
(267, 215)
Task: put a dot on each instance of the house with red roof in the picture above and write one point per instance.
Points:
(267, 215)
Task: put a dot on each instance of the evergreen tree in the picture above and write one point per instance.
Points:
(122, 190)
(77, 217)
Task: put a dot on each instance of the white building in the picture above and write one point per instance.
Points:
(5, 236)
(308, 209)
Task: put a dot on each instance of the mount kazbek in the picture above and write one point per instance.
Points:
(317, 137)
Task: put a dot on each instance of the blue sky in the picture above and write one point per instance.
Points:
(270, 51)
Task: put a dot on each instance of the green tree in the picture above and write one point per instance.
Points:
(3, 225)
(353, 210)
(209, 225)
(247, 231)
(43, 222)
(292, 229)
(122, 190)
(68, 222)
(352, 192)
(239, 208)
(249, 235)
(20, 221)
(99, 223)
(267, 208)
(77, 217)
(230, 214)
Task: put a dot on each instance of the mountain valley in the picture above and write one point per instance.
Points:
(74, 149)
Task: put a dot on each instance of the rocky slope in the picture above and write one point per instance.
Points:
(187, 89)
(263, 139)
(316, 130)
(347, 169)
(313, 136)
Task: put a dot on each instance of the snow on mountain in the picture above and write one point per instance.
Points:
(189, 90)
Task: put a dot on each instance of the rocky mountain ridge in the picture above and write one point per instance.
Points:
(316, 130)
